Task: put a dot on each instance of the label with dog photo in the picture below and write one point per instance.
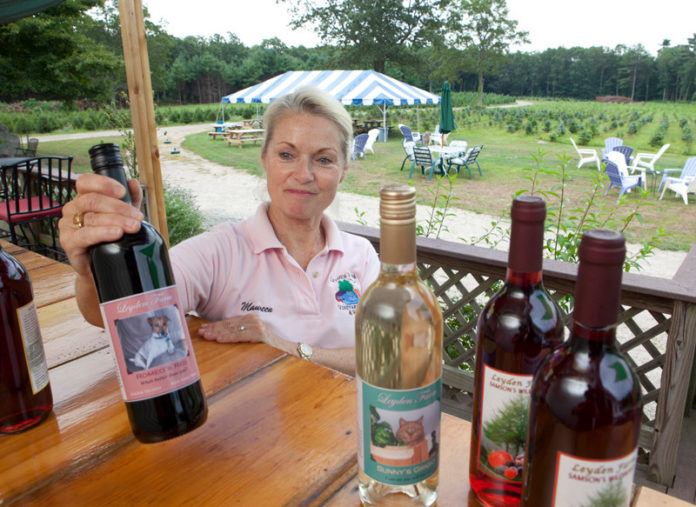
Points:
(151, 343)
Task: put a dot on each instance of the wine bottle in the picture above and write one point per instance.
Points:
(517, 328)
(25, 390)
(586, 411)
(398, 349)
(160, 381)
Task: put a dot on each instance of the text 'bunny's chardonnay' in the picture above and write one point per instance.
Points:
(586, 412)
(160, 381)
(517, 328)
(25, 392)
(398, 351)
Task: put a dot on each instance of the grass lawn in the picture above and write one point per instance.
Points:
(505, 161)
(78, 148)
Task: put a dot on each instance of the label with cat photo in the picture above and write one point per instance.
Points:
(399, 432)
(503, 430)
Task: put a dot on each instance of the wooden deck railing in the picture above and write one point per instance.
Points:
(657, 331)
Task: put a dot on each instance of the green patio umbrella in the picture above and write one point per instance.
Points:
(446, 114)
(12, 10)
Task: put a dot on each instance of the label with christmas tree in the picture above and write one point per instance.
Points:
(591, 482)
(503, 430)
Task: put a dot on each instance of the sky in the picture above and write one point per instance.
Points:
(550, 23)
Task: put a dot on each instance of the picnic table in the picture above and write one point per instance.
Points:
(241, 136)
(280, 430)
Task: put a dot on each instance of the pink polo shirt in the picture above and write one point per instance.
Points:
(240, 268)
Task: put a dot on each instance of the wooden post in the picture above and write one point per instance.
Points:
(676, 376)
(142, 108)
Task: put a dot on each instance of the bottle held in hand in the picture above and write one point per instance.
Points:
(25, 391)
(586, 409)
(160, 381)
(517, 328)
(399, 367)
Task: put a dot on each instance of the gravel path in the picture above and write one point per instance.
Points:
(225, 193)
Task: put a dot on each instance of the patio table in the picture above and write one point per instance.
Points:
(241, 136)
(445, 153)
(280, 430)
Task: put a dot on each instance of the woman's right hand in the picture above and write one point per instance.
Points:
(104, 217)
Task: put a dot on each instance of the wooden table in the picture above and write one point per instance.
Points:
(241, 136)
(280, 431)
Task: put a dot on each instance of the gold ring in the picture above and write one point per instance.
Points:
(78, 220)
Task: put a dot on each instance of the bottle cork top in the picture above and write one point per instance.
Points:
(106, 160)
(397, 202)
(397, 209)
(598, 288)
(527, 234)
(105, 155)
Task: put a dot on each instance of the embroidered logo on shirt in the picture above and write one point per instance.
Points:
(347, 294)
(251, 307)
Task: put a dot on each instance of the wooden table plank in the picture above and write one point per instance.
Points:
(66, 334)
(53, 283)
(89, 418)
(646, 497)
(30, 260)
(267, 441)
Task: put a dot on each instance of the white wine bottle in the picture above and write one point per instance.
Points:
(398, 348)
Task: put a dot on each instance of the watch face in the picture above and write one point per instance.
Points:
(305, 351)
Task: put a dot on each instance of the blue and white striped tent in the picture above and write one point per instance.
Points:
(350, 87)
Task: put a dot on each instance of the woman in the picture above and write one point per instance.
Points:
(287, 276)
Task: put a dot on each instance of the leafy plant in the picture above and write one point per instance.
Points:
(566, 221)
(184, 218)
(443, 197)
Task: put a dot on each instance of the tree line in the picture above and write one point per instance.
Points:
(72, 53)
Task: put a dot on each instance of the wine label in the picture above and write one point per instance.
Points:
(151, 343)
(503, 424)
(398, 432)
(580, 481)
(33, 346)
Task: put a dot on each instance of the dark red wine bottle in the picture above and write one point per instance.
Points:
(517, 328)
(586, 409)
(25, 390)
(160, 381)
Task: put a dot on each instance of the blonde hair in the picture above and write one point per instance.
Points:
(309, 99)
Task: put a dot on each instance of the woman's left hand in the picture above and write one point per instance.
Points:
(247, 328)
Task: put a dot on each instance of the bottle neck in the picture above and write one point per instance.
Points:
(118, 173)
(525, 254)
(399, 269)
(522, 279)
(397, 243)
(605, 335)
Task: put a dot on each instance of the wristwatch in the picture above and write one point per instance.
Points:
(304, 351)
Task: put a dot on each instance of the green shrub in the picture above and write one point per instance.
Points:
(633, 128)
(529, 127)
(573, 126)
(184, 218)
(186, 116)
(46, 123)
(584, 137)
